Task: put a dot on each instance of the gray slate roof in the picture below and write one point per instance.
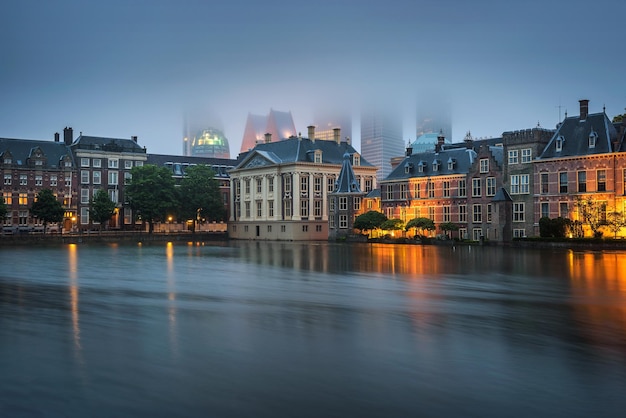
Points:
(346, 181)
(576, 137)
(180, 162)
(107, 144)
(462, 159)
(21, 149)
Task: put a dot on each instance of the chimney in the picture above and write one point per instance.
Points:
(268, 138)
(311, 129)
(134, 138)
(440, 141)
(409, 151)
(68, 135)
(56, 137)
(337, 135)
(584, 109)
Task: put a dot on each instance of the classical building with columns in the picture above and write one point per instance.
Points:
(280, 190)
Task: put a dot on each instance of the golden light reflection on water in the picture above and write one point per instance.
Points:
(599, 293)
(73, 278)
(171, 296)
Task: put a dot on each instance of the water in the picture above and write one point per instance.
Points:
(311, 330)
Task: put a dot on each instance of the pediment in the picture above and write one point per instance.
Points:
(257, 161)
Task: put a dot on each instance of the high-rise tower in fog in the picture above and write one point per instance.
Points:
(381, 138)
(434, 117)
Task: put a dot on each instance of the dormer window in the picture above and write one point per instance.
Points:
(407, 168)
(8, 160)
(559, 143)
(318, 156)
(593, 138)
(451, 163)
(436, 165)
(420, 167)
(356, 159)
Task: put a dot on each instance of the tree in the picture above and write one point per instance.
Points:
(619, 118)
(47, 208)
(448, 227)
(592, 213)
(151, 193)
(200, 195)
(421, 224)
(615, 221)
(101, 207)
(392, 225)
(369, 220)
(553, 228)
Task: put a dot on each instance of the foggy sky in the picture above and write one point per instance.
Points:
(131, 67)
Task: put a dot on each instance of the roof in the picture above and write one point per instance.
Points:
(574, 135)
(293, 150)
(502, 196)
(107, 144)
(178, 162)
(346, 181)
(21, 149)
(422, 164)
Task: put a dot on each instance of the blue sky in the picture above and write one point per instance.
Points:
(132, 67)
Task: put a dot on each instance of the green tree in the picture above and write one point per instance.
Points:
(369, 221)
(392, 225)
(615, 221)
(421, 224)
(619, 118)
(151, 193)
(448, 227)
(101, 207)
(553, 228)
(47, 208)
(592, 213)
(200, 196)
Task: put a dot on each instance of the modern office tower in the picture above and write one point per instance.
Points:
(434, 116)
(279, 124)
(381, 139)
(326, 121)
(203, 135)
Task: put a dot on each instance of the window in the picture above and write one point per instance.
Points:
(476, 192)
(8, 198)
(96, 177)
(318, 157)
(356, 160)
(97, 162)
(270, 185)
(446, 213)
(593, 136)
(38, 180)
(247, 209)
(519, 233)
(304, 186)
(259, 186)
(563, 182)
(113, 177)
(357, 203)
(489, 212)
(477, 211)
(446, 188)
(451, 164)
(304, 208)
(518, 212)
(68, 180)
(23, 180)
(270, 208)
(559, 143)
(463, 213)
(601, 174)
(515, 184)
(543, 179)
(431, 213)
(563, 210)
(343, 221)
(269, 228)
(477, 234)
(84, 176)
(113, 163)
(484, 165)
(84, 216)
(247, 183)
(331, 205)
(317, 208)
(389, 192)
(582, 181)
(84, 196)
(462, 188)
(53, 180)
(416, 190)
(128, 177)
(524, 180)
(114, 195)
(491, 186)
(318, 228)
(317, 186)
(22, 199)
(138, 163)
(527, 155)
(8, 160)
(128, 164)
(259, 209)
(403, 193)
(463, 233)
(7, 179)
(430, 186)
(368, 185)
(84, 162)
(513, 157)
(545, 210)
(38, 162)
(436, 165)
(330, 182)
(343, 203)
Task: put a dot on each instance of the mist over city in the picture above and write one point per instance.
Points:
(119, 69)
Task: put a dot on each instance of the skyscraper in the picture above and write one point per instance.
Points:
(381, 139)
(434, 115)
(279, 124)
(326, 120)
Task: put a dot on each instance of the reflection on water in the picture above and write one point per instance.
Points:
(311, 329)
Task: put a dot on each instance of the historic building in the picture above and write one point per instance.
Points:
(585, 158)
(280, 190)
(105, 163)
(27, 167)
(345, 201)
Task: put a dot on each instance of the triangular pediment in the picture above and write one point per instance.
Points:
(259, 159)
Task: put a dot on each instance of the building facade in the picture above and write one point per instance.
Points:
(280, 190)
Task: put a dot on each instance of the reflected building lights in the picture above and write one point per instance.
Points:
(73, 277)
(171, 296)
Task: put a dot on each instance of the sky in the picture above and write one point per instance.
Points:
(120, 68)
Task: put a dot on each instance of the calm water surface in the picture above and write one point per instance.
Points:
(250, 329)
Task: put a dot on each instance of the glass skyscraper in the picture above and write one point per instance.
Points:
(381, 139)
